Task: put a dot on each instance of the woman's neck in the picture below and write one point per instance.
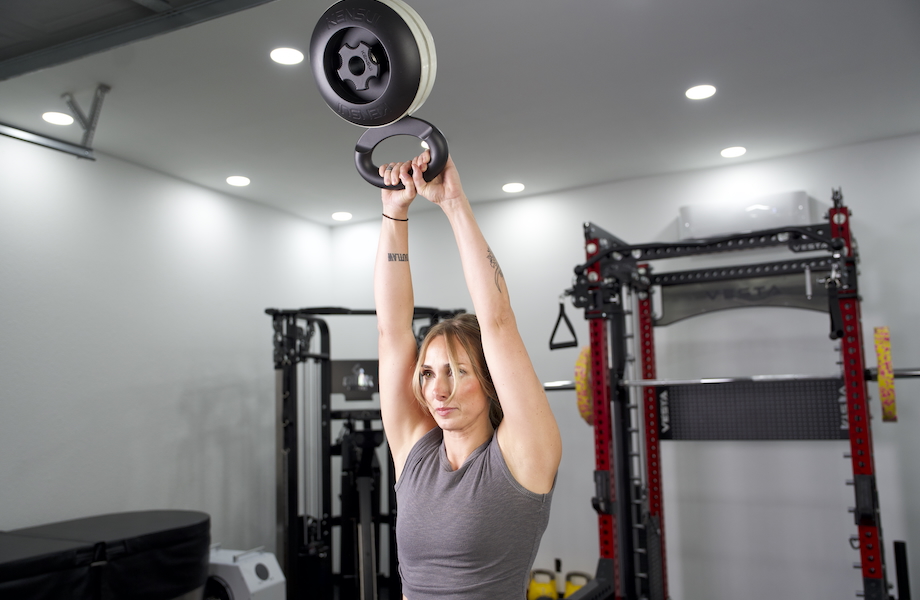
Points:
(460, 444)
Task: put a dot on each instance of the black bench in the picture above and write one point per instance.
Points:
(147, 555)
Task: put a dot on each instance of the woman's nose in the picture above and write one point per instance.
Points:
(441, 388)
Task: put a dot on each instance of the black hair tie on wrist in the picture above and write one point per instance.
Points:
(391, 218)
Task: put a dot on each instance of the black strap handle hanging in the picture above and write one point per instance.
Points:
(553, 345)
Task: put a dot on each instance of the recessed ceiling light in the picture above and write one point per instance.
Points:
(513, 188)
(287, 56)
(341, 216)
(734, 152)
(701, 91)
(58, 118)
(238, 180)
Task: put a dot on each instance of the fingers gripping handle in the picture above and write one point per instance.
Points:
(423, 130)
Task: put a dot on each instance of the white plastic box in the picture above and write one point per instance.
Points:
(248, 574)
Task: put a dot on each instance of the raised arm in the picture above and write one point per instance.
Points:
(404, 421)
(528, 435)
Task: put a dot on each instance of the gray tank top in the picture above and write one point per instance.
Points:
(469, 534)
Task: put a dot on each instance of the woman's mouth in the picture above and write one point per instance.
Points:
(443, 411)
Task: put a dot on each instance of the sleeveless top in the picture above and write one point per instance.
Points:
(470, 534)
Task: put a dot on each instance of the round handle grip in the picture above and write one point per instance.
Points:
(423, 130)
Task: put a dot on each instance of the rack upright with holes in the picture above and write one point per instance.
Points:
(617, 282)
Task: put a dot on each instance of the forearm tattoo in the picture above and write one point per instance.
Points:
(394, 257)
(499, 276)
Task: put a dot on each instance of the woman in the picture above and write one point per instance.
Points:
(473, 487)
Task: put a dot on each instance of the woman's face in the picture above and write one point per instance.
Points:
(469, 404)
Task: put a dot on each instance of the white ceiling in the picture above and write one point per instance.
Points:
(556, 95)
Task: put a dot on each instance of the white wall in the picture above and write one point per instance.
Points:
(754, 520)
(135, 360)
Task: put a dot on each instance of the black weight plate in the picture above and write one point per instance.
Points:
(394, 47)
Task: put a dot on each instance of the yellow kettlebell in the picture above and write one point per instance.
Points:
(542, 585)
(574, 581)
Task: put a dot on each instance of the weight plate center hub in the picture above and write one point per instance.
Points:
(358, 65)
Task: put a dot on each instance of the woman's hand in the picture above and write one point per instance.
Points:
(444, 189)
(396, 202)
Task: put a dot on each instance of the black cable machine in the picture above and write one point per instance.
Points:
(616, 282)
(304, 435)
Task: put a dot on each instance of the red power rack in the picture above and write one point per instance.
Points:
(615, 282)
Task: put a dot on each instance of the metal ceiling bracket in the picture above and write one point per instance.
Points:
(47, 142)
(88, 124)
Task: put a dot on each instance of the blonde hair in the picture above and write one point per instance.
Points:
(463, 330)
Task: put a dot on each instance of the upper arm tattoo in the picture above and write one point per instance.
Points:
(499, 276)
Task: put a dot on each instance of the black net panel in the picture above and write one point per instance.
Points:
(806, 409)
(655, 562)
